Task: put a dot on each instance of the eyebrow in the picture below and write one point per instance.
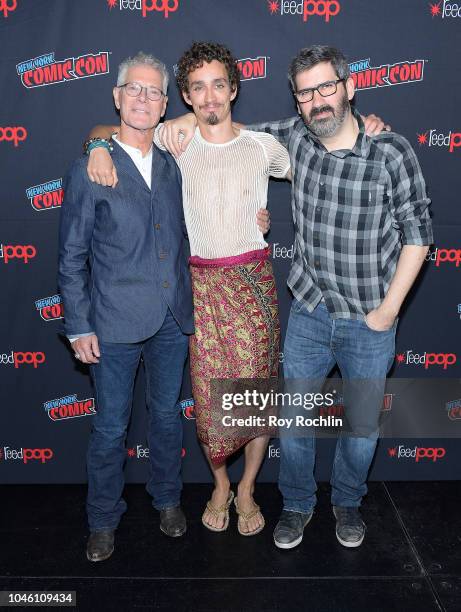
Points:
(221, 79)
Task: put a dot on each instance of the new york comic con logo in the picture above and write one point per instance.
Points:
(46, 195)
(69, 407)
(50, 308)
(454, 410)
(46, 70)
(188, 408)
(249, 67)
(444, 9)
(305, 9)
(164, 7)
(386, 75)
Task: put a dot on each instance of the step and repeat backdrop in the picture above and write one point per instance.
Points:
(58, 64)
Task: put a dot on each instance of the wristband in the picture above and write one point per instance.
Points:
(93, 143)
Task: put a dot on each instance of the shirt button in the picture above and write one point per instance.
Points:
(157, 226)
(162, 255)
(317, 262)
(166, 284)
(322, 183)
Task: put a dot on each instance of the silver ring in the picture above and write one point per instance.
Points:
(77, 355)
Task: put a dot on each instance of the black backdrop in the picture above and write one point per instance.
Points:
(58, 64)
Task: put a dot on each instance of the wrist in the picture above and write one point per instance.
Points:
(96, 143)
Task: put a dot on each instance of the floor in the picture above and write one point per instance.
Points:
(410, 559)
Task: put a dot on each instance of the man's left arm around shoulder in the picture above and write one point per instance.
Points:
(410, 211)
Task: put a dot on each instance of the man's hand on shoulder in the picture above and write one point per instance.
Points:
(86, 349)
(176, 134)
(374, 125)
(101, 169)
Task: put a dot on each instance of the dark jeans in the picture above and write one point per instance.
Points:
(164, 355)
(314, 343)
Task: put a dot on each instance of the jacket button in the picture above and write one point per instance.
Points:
(166, 284)
(157, 226)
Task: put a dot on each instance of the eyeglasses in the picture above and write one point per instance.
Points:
(133, 89)
(325, 89)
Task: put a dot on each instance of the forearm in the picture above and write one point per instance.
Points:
(410, 261)
(103, 131)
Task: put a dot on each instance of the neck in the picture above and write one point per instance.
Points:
(140, 139)
(220, 133)
(345, 137)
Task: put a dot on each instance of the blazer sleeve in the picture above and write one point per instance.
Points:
(75, 240)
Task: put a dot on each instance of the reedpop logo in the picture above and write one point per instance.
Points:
(146, 6)
(439, 256)
(142, 452)
(19, 358)
(426, 359)
(306, 8)
(23, 252)
(26, 454)
(14, 134)
(8, 6)
(444, 9)
(417, 453)
(434, 138)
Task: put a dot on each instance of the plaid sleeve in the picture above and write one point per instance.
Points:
(281, 130)
(410, 204)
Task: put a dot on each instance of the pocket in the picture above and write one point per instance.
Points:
(380, 331)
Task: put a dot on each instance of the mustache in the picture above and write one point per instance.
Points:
(321, 109)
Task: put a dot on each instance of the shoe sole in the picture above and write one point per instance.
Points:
(284, 546)
(174, 535)
(99, 558)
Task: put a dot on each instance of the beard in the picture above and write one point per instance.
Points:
(212, 119)
(327, 126)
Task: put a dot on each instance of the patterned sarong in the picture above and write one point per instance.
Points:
(237, 334)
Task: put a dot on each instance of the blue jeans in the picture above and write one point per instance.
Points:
(164, 356)
(314, 343)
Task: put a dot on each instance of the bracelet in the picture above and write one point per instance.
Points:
(93, 143)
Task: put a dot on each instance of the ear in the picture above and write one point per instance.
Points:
(165, 102)
(233, 94)
(116, 94)
(186, 97)
(350, 88)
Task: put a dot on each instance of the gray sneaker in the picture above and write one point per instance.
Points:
(288, 532)
(350, 529)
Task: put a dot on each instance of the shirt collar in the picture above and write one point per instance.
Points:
(132, 151)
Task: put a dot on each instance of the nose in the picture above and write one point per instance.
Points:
(143, 94)
(210, 94)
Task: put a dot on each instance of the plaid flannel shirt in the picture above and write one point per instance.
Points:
(352, 210)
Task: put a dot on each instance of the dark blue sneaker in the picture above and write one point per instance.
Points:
(350, 529)
(288, 532)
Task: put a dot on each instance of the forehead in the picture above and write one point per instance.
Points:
(317, 74)
(146, 75)
(210, 71)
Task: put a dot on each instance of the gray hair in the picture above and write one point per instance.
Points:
(311, 56)
(142, 59)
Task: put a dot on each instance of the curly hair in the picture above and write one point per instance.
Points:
(206, 52)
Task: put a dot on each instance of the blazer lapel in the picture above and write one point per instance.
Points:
(126, 164)
(158, 167)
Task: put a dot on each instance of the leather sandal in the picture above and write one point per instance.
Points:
(223, 509)
(247, 516)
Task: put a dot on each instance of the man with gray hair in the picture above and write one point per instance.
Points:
(125, 283)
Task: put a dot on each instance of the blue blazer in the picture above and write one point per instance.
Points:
(123, 252)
